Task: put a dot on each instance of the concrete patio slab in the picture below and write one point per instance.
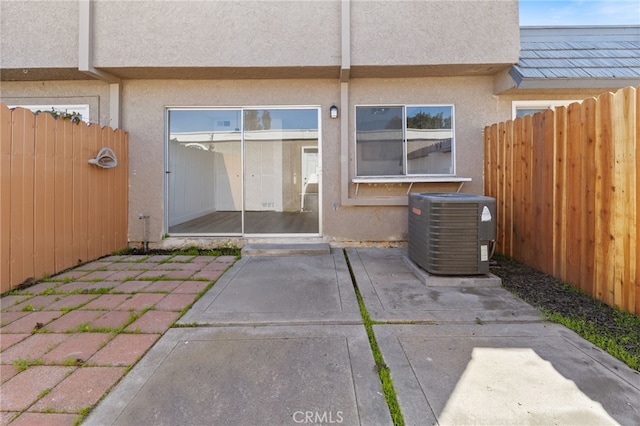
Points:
(391, 292)
(280, 289)
(250, 376)
(505, 374)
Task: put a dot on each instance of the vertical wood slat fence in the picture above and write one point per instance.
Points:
(56, 209)
(566, 187)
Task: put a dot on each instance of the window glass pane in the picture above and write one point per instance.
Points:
(379, 145)
(204, 186)
(429, 140)
(281, 166)
(521, 112)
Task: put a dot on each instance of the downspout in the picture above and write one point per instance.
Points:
(345, 71)
(85, 60)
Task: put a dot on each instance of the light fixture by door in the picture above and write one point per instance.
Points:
(333, 111)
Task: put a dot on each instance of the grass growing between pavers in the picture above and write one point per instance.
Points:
(381, 367)
(611, 329)
(51, 286)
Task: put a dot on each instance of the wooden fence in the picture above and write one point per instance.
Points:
(566, 187)
(56, 209)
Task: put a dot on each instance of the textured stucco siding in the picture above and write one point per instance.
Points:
(437, 32)
(92, 93)
(38, 34)
(145, 103)
(217, 33)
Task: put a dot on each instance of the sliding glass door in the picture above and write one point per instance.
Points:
(243, 171)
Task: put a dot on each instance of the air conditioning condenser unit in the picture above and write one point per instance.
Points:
(451, 233)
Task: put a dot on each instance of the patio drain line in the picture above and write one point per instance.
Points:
(381, 367)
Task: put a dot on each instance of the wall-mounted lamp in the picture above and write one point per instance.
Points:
(333, 111)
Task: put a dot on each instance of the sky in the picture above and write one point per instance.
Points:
(579, 12)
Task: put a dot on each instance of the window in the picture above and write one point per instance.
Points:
(522, 108)
(83, 110)
(404, 140)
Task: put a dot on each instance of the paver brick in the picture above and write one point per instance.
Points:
(175, 302)
(98, 275)
(70, 301)
(37, 303)
(8, 339)
(84, 387)
(40, 287)
(226, 259)
(124, 349)
(159, 258)
(82, 285)
(33, 347)
(132, 286)
(149, 275)
(216, 266)
(153, 322)
(74, 275)
(140, 301)
(93, 266)
(178, 267)
(6, 416)
(157, 286)
(10, 301)
(106, 301)
(80, 346)
(9, 317)
(124, 275)
(23, 389)
(182, 258)
(143, 266)
(29, 322)
(7, 372)
(208, 275)
(202, 259)
(190, 287)
(72, 320)
(112, 320)
(45, 419)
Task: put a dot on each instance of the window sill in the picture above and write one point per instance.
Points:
(410, 180)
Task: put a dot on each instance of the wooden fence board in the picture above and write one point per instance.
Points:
(22, 194)
(44, 225)
(559, 207)
(5, 198)
(93, 214)
(624, 183)
(570, 182)
(588, 179)
(517, 207)
(47, 207)
(573, 190)
(508, 187)
(637, 214)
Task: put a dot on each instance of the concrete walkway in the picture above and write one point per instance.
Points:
(280, 340)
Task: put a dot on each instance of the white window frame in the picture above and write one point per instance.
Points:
(541, 104)
(406, 177)
(82, 109)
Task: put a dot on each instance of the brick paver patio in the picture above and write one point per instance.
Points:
(67, 341)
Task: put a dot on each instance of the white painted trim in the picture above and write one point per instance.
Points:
(542, 104)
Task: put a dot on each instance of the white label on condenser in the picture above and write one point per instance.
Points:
(484, 253)
(486, 214)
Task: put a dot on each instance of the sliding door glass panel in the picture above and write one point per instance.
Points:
(274, 186)
(205, 172)
(429, 140)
